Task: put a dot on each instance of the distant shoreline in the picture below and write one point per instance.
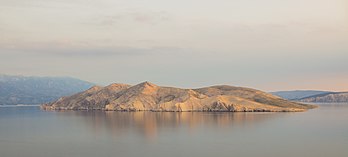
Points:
(20, 105)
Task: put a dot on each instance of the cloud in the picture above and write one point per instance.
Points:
(68, 51)
(142, 17)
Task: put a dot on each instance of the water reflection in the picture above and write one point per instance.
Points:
(150, 124)
(31, 132)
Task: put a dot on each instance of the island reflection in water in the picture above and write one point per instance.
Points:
(149, 124)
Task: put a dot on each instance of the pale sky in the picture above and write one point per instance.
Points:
(264, 44)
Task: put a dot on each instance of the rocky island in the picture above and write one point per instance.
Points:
(147, 96)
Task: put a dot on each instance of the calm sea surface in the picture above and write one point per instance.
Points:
(30, 132)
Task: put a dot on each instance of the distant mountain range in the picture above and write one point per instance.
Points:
(313, 96)
(37, 90)
(332, 97)
(297, 94)
(147, 96)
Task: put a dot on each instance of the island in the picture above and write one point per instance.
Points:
(147, 96)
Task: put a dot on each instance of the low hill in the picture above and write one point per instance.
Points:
(147, 96)
(37, 90)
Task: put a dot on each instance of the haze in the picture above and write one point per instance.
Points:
(269, 45)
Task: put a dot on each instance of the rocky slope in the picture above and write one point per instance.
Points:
(37, 90)
(150, 97)
(333, 97)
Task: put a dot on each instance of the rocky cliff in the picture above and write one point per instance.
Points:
(150, 97)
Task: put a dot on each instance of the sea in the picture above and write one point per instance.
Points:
(27, 131)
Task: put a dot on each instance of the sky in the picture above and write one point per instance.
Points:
(269, 45)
